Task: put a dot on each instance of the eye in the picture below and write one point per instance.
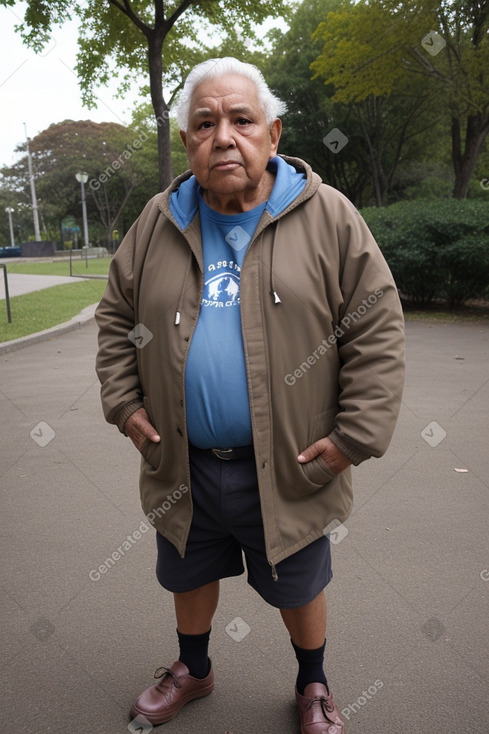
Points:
(243, 121)
(205, 125)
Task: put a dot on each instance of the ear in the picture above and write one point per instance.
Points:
(183, 137)
(275, 133)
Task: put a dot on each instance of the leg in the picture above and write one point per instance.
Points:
(195, 609)
(191, 676)
(307, 628)
(307, 624)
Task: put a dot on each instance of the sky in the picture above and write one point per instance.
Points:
(41, 89)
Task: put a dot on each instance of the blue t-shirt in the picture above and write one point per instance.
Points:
(216, 390)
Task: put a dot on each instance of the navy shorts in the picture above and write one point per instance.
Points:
(226, 524)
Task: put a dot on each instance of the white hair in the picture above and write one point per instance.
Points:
(272, 106)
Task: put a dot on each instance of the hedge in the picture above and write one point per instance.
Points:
(435, 249)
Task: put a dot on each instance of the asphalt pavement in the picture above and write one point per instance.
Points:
(407, 646)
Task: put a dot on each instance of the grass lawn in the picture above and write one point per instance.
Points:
(61, 266)
(40, 310)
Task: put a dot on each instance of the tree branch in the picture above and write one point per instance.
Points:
(178, 12)
(126, 8)
(159, 13)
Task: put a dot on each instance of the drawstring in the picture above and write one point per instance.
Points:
(180, 299)
(273, 292)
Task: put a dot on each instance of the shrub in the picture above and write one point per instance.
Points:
(435, 249)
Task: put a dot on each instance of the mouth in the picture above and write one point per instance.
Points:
(226, 165)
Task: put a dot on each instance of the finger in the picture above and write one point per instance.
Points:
(310, 453)
(139, 428)
(148, 431)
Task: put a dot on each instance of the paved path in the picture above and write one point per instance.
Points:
(19, 283)
(407, 634)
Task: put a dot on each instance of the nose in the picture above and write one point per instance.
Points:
(224, 135)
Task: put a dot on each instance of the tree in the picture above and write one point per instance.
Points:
(370, 49)
(163, 39)
(310, 111)
(381, 132)
(118, 160)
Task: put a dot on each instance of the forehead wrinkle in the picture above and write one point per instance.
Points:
(243, 109)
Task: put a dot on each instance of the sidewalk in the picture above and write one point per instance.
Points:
(20, 283)
(407, 643)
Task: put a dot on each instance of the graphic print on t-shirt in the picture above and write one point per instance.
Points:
(221, 289)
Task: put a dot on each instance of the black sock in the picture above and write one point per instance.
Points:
(194, 653)
(310, 666)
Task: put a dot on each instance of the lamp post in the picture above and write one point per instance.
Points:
(82, 178)
(10, 211)
(35, 212)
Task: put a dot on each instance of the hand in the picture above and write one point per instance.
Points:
(139, 429)
(329, 452)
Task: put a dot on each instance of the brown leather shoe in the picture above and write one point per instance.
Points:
(162, 701)
(319, 713)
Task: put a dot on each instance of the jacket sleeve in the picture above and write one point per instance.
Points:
(116, 362)
(370, 332)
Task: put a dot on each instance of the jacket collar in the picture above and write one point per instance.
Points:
(295, 182)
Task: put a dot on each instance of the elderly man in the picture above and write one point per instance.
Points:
(251, 347)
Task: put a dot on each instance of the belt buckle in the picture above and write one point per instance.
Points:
(219, 453)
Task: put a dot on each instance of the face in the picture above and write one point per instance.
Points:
(229, 142)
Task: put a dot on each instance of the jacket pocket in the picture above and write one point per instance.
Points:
(317, 471)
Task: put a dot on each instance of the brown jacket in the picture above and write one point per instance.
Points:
(324, 348)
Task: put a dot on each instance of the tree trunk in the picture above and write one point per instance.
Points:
(464, 162)
(162, 113)
(376, 170)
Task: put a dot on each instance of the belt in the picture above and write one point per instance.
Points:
(240, 452)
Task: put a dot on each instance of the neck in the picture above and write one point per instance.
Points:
(242, 201)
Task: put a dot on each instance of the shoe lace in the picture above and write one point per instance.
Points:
(162, 672)
(326, 706)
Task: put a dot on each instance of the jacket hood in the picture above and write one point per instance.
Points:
(291, 178)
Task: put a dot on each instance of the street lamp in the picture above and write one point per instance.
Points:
(82, 178)
(10, 211)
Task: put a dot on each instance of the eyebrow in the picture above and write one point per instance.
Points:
(234, 109)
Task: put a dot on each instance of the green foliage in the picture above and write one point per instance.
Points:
(422, 180)
(114, 35)
(41, 310)
(310, 112)
(384, 132)
(375, 49)
(435, 249)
